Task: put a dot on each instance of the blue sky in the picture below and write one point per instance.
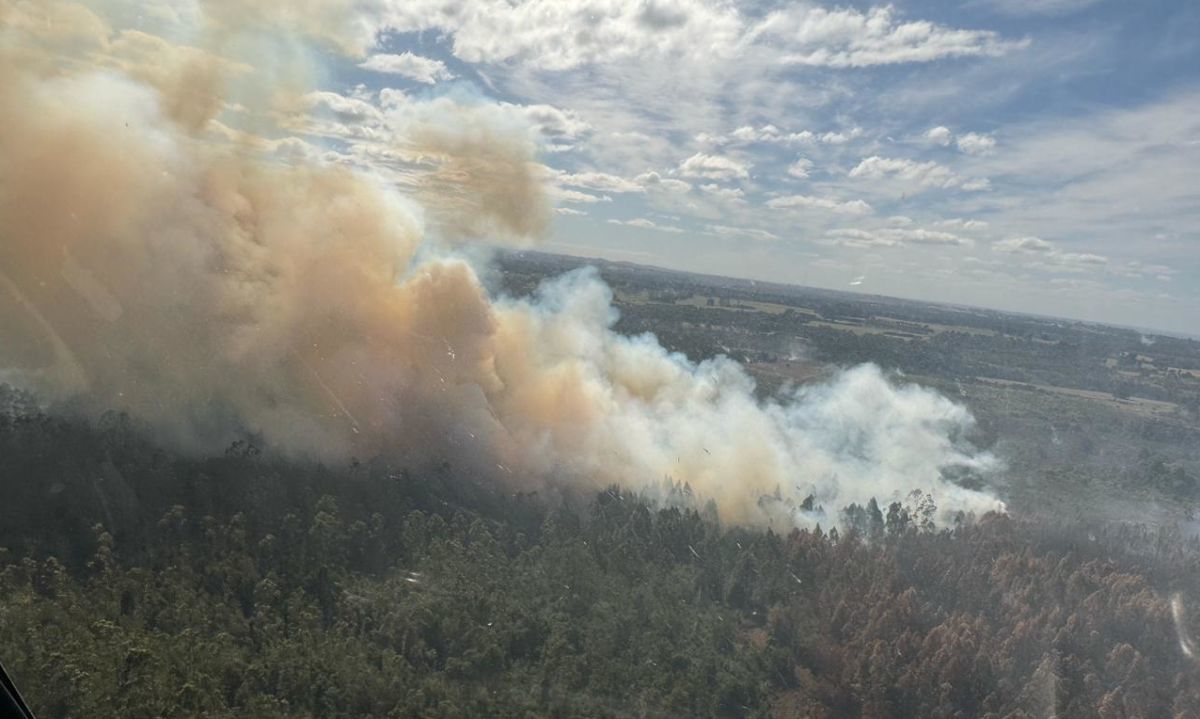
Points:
(1031, 155)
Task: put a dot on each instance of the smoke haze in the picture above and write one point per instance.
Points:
(214, 280)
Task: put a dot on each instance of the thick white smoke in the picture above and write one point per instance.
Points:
(152, 259)
(599, 406)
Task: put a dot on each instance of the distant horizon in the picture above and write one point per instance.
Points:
(1156, 331)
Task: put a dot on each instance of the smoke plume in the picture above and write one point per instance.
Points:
(215, 281)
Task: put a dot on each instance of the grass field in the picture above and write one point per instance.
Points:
(1139, 405)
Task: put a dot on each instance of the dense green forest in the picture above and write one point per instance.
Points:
(139, 582)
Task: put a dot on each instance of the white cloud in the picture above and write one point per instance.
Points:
(895, 237)
(391, 98)
(709, 139)
(748, 232)
(960, 223)
(1084, 258)
(841, 138)
(556, 125)
(1028, 245)
(976, 144)
(570, 211)
(939, 135)
(923, 174)
(414, 67)
(749, 134)
(713, 167)
(564, 195)
(345, 108)
(850, 237)
(845, 37)
(972, 143)
(733, 194)
(849, 207)
(931, 237)
(564, 34)
(599, 181)
(644, 224)
(654, 181)
(771, 134)
(767, 133)
(800, 168)
(1046, 255)
(976, 184)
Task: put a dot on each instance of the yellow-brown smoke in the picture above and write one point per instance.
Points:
(155, 260)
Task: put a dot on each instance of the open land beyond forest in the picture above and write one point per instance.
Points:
(1091, 421)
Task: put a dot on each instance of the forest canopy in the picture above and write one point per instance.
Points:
(136, 581)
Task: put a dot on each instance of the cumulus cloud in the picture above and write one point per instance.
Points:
(348, 109)
(972, 143)
(555, 124)
(840, 137)
(921, 174)
(975, 144)
(750, 134)
(1026, 245)
(713, 167)
(827, 204)
(654, 181)
(710, 139)
(414, 67)
(800, 168)
(939, 135)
